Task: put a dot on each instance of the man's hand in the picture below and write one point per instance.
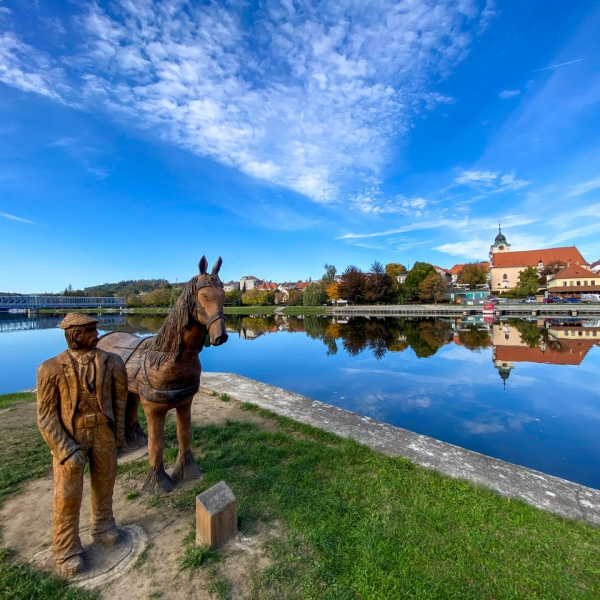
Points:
(119, 441)
(77, 459)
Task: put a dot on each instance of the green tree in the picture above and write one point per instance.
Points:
(175, 293)
(432, 288)
(257, 297)
(314, 294)
(329, 276)
(415, 276)
(528, 282)
(473, 274)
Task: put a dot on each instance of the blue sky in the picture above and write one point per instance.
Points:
(136, 136)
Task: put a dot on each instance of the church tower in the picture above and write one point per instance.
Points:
(500, 245)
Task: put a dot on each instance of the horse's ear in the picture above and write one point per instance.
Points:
(217, 266)
(203, 265)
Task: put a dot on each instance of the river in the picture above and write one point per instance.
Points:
(523, 391)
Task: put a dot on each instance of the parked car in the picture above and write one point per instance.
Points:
(528, 300)
(492, 299)
(590, 297)
(551, 300)
(571, 300)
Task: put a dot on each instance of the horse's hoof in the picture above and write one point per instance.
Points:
(186, 468)
(158, 482)
(135, 438)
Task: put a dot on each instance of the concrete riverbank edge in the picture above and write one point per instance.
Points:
(549, 493)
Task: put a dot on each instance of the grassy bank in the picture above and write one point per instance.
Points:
(7, 399)
(357, 524)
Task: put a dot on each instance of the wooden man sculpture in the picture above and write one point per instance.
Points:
(81, 397)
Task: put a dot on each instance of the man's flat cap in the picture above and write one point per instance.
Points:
(76, 319)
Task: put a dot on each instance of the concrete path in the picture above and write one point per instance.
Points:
(550, 493)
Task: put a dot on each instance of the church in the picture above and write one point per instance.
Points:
(505, 266)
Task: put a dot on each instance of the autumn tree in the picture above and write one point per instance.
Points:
(395, 269)
(333, 292)
(473, 274)
(379, 284)
(550, 269)
(432, 288)
(352, 285)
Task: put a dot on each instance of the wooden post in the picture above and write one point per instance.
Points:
(216, 516)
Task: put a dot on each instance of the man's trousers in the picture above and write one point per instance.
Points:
(98, 445)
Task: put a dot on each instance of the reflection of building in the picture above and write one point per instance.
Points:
(504, 334)
(562, 345)
(507, 266)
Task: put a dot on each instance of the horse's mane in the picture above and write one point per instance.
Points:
(168, 342)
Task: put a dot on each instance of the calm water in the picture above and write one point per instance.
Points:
(525, 392)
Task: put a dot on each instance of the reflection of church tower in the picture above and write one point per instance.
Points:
(504, 367)
(500, 245)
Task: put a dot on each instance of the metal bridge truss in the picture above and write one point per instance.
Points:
(37, 302)
(7, 325)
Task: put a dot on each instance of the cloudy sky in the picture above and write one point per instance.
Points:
(136, 136)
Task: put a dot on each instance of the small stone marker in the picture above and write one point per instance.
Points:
(216, 516)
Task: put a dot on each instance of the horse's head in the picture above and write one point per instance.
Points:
(209, 301)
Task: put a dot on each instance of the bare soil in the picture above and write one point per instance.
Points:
(26, 521)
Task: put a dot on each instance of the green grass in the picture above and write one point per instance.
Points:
(225, 397)
(7, 399)
(20, 582)
(249, 310)
(357, 524)
(306, 310)
(23, 455)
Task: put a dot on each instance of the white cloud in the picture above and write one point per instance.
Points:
(509, 93)
(477, 177)
(309, 97)
(490, 181)
(13, 218)
(583, 188)
(469, 248)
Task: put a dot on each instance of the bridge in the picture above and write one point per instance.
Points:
(39, 302)
(50, 322)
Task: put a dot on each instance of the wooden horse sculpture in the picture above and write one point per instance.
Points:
(164, 372)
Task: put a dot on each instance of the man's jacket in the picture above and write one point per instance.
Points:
(58, 394)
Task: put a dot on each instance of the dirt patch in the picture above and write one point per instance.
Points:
(27, 525)
(18, 414)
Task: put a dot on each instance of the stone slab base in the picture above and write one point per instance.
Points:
(102, 563)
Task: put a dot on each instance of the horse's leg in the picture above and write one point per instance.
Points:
(186, 466)
(157, 481)
(134, 434)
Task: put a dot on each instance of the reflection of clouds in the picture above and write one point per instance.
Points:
(378, 405)
(518, 420)
(459, 353)
(516, 379)
(476, 427)
(453, 378)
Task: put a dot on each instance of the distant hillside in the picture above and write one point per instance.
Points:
(127, 288)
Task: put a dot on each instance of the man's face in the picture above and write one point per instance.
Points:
(88, 338)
